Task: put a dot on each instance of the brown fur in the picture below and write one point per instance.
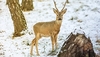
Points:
(45, 29)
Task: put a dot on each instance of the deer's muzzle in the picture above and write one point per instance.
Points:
(59, 19)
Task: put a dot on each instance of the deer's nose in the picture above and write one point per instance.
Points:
(60, 19)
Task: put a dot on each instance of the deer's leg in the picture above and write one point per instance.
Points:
(37, 38)
(52, 40)
(55, 41)
(32, 44)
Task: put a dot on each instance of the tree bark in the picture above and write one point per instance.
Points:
(17, 17)
(77, 46)
(8, 0)
(27, 5)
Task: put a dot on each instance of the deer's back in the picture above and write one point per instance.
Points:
(46, 28)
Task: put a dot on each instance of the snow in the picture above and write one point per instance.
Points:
(82, 15)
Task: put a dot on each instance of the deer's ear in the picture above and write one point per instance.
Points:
(55, 10)
(64, 11)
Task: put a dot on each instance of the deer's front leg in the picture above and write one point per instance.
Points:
(55, 38)
(52, 41)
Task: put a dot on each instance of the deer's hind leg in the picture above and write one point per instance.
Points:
(37, 38)
(32, 45)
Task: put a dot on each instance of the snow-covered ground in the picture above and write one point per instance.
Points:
(82, 15)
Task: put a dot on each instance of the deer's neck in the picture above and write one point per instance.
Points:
(58, 24)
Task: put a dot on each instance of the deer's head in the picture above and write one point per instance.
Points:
(59, 14)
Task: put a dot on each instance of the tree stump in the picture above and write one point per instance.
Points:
(77, 46)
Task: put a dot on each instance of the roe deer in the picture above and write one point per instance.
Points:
(46, 29)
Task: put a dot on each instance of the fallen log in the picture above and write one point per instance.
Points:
(77, 46)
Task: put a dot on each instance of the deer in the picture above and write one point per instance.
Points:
(48, 29)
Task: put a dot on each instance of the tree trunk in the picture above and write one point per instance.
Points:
(27, 5)
(17, 17)
(77, 46)
(8, 0)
